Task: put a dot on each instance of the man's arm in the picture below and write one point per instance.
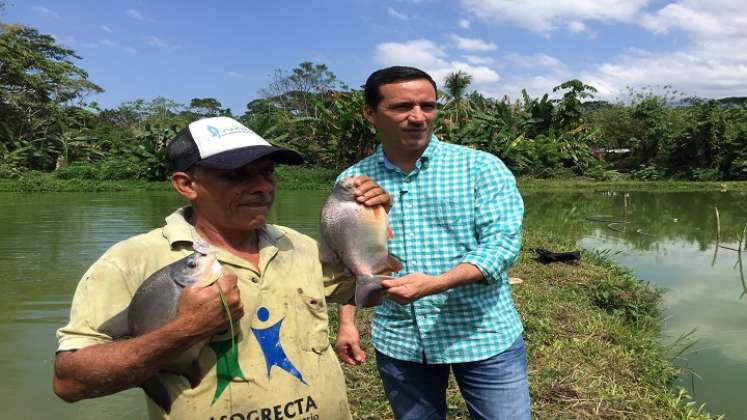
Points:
(410, 287)
(498, 215)
(104, 369)
(348, 343)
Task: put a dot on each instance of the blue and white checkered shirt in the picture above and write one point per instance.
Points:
(457, 206)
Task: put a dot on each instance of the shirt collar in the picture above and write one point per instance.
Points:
(178, 229)
(430, 152)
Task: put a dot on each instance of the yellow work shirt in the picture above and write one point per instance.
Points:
(285, 367)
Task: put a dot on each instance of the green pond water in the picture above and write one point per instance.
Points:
(668, 239)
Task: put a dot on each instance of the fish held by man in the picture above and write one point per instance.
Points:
(357, 236)
(154, 304)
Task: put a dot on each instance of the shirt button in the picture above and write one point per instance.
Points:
(254, 280)
(408, 205)
(414, 263)
(410, 235)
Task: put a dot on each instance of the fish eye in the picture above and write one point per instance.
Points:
(191, 263)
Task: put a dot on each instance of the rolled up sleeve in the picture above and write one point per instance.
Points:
(499, 211)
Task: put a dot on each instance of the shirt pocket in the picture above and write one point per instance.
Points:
(313, 322)
(453, 212)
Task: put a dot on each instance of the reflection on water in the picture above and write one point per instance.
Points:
(668, 239)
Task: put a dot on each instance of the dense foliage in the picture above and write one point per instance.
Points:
(47, 125)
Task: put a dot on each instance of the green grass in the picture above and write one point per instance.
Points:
(586, 185)
(290, 178)
(591, 331)
(319, 179)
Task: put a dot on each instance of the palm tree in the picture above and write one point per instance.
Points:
(456, 84)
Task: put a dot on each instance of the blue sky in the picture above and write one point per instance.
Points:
(229, 50)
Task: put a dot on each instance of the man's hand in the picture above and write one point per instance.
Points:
(348, 345)
(411, 287)
(201, 312)
(369, 193)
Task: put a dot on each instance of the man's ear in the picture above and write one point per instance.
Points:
(184, 184)
(368, 113)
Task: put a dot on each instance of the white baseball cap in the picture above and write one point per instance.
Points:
(223, 143)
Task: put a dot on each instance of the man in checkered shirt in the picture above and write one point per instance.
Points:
(456, 220)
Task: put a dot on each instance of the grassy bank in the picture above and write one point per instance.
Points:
(303, 178)
(290, 178)
(586, 185)
(591, 332)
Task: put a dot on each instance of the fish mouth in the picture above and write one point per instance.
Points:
(208, 269)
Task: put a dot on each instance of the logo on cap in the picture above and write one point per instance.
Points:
(214, 131)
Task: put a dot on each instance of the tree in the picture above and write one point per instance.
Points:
(293, 91)
(570, 108)
(208, 107)
(456, 83)
(38, 80)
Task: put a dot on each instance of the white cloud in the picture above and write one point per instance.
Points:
(687, 72)
(104, 43)
(105, 28)
(45, 11)
(537, 61)
(464, 23)
(473, 44)
(712, 64)
(419, 53)
(130, 50)
(479, 60)
(235, 75)
(428, 56)
(544, 16)
(155, 41)
(395, 14)
(135, 14)
(576, 26)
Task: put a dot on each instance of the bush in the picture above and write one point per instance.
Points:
(109, 169)
(706, 174)
(10, 171)
(649, 172)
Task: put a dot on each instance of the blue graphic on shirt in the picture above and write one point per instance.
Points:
(269, 341)
(214, 131)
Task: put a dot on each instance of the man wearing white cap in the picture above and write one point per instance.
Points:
(282, 365)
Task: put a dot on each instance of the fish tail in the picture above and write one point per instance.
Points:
(368, 290)
(156, 390)
(393, 263)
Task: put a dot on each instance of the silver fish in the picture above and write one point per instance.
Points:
(154, 304)
(357, 236)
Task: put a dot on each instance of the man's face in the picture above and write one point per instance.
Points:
(238, 199)
(404, 117)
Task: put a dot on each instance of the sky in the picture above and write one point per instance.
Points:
(230, 50)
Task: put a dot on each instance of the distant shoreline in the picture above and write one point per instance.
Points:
(316, 179)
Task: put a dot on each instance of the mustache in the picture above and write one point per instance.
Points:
(257, 199)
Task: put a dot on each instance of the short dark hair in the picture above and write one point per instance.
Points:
(371, 93)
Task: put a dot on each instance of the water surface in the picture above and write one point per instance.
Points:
(48, 240)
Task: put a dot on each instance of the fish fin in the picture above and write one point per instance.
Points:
(326, 254)
(156, 390)
(369, 291)
(393, 263)
(389, 232)
(194, 374)
(117, 326)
